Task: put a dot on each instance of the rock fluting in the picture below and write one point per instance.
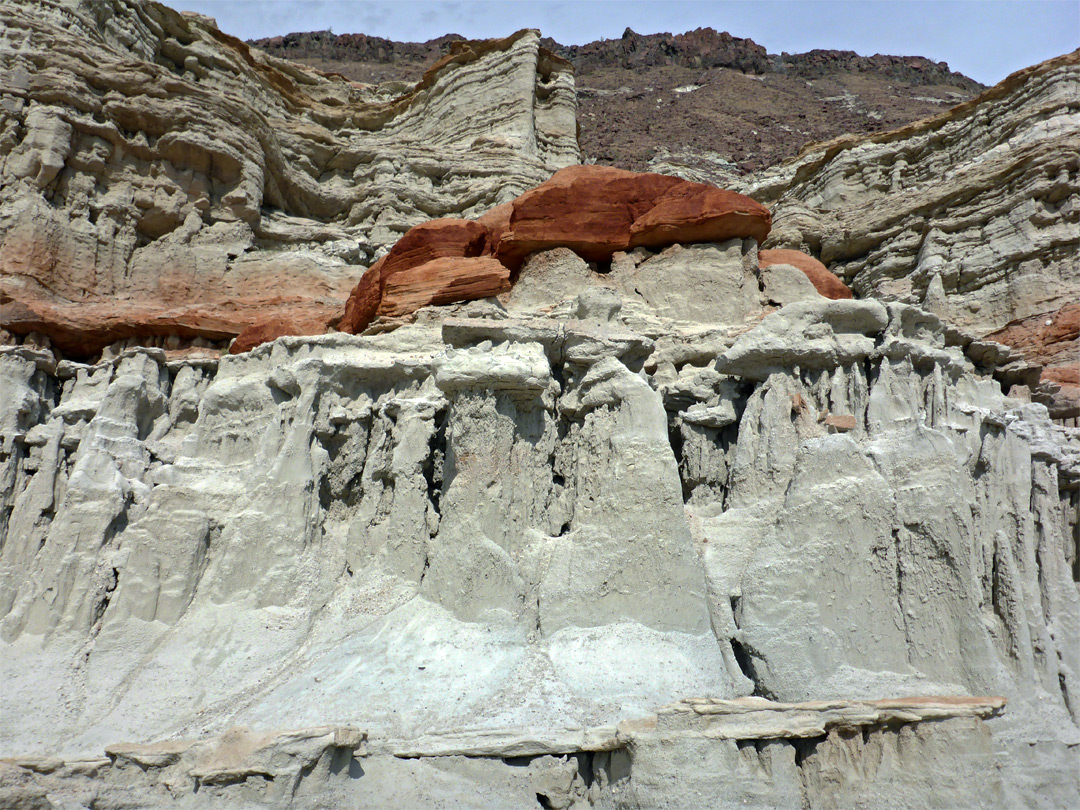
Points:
(161, 178)
(563, 514)
(974, 214)
(667, 524)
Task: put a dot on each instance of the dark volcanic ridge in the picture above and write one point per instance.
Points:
(704, 101)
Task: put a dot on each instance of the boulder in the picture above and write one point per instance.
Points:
(436, 239)
(824, 282)
(785, 284)
(364, 300)
(695, 212)
(422, 244)
(597, 210)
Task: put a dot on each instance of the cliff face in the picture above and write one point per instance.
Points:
(974, 214)
(493, 536)
(191, 187)
(670, 531)
(703, 101)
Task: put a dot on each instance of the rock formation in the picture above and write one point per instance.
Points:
(975, 214)
(701, 104)
(594, 211)
(674, 528)
(824, 282)
(492, 533)
(160, 178)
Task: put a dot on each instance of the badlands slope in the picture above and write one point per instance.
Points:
(667, 529)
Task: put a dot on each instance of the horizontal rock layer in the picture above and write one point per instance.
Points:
(159, 177)
(836, 752)
(975, 213)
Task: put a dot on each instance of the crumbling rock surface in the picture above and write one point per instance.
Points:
(160, 177)
(757, 753)
(974, 213)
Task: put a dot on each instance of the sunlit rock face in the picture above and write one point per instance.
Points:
(974, 214)
(160, 178)
(672, 528)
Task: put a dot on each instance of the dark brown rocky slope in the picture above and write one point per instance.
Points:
(704, 100)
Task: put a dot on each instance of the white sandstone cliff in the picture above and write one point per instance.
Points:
(626, 539)
(497, 535)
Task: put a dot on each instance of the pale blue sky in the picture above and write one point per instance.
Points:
(984, 39)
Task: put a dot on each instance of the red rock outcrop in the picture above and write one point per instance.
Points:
(363, 303)
(273, 327)
(824, 282)
(443, 281)
(422, 244)
(594, 211)
(50, 285)
(597, 210)
(1051, 339)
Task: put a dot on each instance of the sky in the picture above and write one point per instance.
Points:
(984, 39)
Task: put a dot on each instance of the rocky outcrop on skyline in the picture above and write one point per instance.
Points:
(163, 180)
(700, 48)
(703, 101)
(708, 48)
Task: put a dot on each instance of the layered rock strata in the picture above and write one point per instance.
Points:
(594, 211)
(162, 179)
(519, 521)
(974, 214)
(683, 532)
(758, 752)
